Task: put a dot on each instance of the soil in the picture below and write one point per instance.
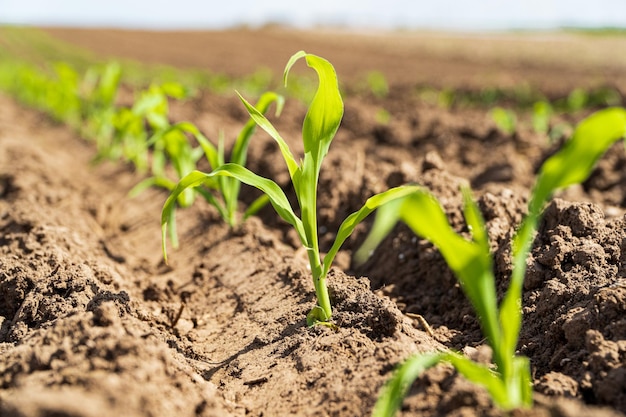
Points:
(94, 323)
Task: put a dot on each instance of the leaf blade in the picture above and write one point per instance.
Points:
(277, 197)
(349, 224)
(265, 124)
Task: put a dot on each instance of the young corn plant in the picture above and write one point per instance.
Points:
(228, 188)
(504, 119)
(509, 383)
(134, 126)
(56, 94)
(172, 145)
(62, 95)
(98, 93)
(320, 125)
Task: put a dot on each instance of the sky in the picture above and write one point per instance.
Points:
(385, 14)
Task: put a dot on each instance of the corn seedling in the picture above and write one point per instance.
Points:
(99, 92)
(320, 125)
(577, 100)
(55, 94)
(542, 112)
(509, 384)
(504, 119)
(172, 144)
(63, 97)
(134, 126)
(228, 187)
(377, 84)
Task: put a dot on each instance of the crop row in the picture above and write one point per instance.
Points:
(143, 135)
(509, 382)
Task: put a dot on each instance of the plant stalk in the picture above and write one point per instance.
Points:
(322, 312)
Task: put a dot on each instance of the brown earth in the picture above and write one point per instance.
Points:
(93, 323)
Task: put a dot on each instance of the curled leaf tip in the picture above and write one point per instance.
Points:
(295, 57)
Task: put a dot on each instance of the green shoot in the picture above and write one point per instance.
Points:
(377, 84)
(99, 95)
(577, 100)
(131, 136)
(504, 119)
(320, 125)
(229, 187)
(172, 144)
(542, 112)
(510, 382)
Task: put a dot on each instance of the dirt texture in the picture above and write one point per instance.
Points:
(94, 323)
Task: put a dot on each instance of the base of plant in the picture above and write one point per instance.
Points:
(318, 317)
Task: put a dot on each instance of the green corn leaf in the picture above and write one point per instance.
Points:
(575, 161)
(470, 261)
(240, 149)
(294, 58)
(523, 393)
(230, 187)
(305, 183)
(171, 228)
(109, 82)
(326, 110)
(349, 224)
(474, 220)
(265, 124)
(221, 159)
(572, 164)
(394, 391)
(209, 149)
(423, 214)
(174, 90)
(277, 197)
(481, 375)
(386, 218)
(159, 159)
(149, 101)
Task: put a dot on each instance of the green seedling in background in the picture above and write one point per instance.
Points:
(134, 126)
(172, 144)
(320, 125)
(56, 94)
(377, 84)
(542, 112)
(504, 119)
(509, 384)
(99, 93)
(228, 187)
(577, 100)
(62, 95)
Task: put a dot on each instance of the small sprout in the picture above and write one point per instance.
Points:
(377, 84)
(504, 119)
(542, 112)
(446, 98)
(577, 100)
(383, 117)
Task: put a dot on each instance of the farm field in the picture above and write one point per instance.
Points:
(93, 322)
